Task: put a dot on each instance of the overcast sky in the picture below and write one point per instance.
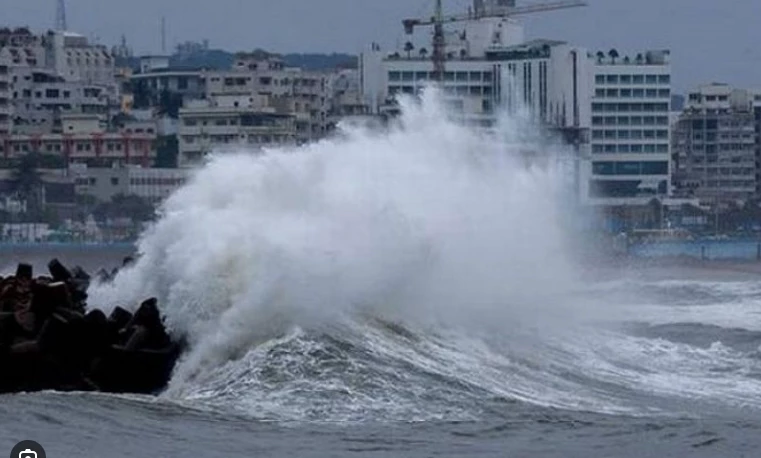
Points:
(711, 40)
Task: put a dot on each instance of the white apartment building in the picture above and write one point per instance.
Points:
(75, 59)
(490, 68)
(630, 136)
(715, 145)
(152, 184)
(227, 123)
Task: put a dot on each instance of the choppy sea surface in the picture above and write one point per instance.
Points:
(674, 369)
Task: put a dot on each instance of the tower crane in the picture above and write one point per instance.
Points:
(497, 8)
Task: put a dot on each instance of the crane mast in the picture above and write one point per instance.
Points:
(439, 44)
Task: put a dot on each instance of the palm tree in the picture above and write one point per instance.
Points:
(640, 58)
(423, 53)
(627, 60)
(463, 53)
(600, 56)
(408, 47)
(613, 55)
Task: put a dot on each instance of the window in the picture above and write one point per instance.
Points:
(475, 76)
(604, 168)
(638, 79)
(600, 79)
(461, 76)
(394, 76)
(52, 93)
(419, 76)
(623, 148)
(664, 79)
(597, 120)
(623, 134)
(655, 168)
(611, 93)
(626, 79)
(626, 93)
(599, 92)
(623, 120)
(610, 120)
(597, 134)
(651, 93)
(639, 93)
(664, 93)
(114, 181)
(611, 79)
(651, 79)
(409, 76)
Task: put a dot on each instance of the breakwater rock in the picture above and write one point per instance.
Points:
(51, 340)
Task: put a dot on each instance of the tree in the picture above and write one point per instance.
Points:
(600, 56)
(640, 59)
(627, 60)
(26, 181)
(408, 47)
(170, 103)
(463, 53)
(141, 94)
(125, 206)
(167, 150)
(613, 53)
(423, 53)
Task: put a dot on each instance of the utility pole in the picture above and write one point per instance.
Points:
(163, 35)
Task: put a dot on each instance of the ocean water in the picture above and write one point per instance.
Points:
(413, 293)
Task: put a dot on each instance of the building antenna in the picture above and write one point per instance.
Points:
(163, 34)
(60, 16)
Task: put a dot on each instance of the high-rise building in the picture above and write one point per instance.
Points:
(715, 146)
(490, 69)
(630, 128)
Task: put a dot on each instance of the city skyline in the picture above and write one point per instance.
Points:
(342, 26)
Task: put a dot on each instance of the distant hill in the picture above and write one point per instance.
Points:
(217, 59)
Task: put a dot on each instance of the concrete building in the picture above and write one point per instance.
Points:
(190, 84)
(229, 123)
(40, 97)
(75, 59)
(304, 94)
(491, 69)
(84, 139)
(715, 146)
(630, 128)
(5, 99)
(152, 184)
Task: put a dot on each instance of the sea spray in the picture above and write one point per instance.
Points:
(430, 223)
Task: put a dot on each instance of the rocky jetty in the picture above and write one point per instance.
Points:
(51, 340)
